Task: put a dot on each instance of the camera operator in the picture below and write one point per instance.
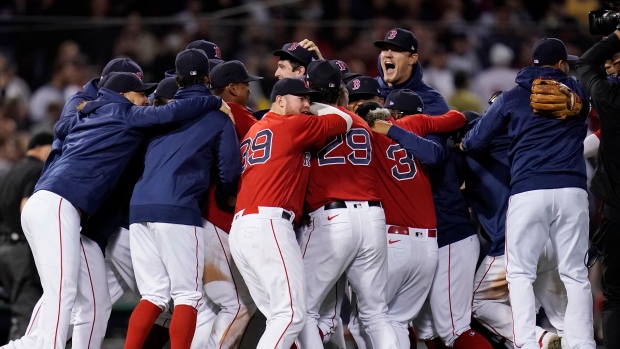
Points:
(605, 97)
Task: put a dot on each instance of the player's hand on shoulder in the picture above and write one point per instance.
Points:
(311, 46)
(381, 126)
(225, 108)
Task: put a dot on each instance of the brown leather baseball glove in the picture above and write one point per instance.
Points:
(553, 99)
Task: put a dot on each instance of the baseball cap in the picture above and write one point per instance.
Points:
(214, 63)
(402, 38)
(363, 86)
(297, 53)
(192, 62)
(406, 101)
(344, 70)
(127, 82)
(323, 73)
(295, 87)
(39, 139)
(120, 65)
(167, 88)
(211, 50)
(231, 72)
(549, 51)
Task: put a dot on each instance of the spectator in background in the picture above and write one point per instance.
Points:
(18, 273)
(499, 77)
(11, 85)
(76, 75)
(438, 75)
(462, 99)
(52, 92)
(136, 42)
(462, 56)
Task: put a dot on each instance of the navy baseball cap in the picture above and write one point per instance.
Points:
(211, 50)
(549, 51)
(324, 73)
(214, 63)
(402, 38)
(344, 70)
(295, 87)
(192, 62)
(293, 51)
(363, 86)
(127, 82)
(406, 101)
(231, 72)
(121, 65)
(167, 88)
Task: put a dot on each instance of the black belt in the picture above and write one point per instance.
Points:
(341, 204)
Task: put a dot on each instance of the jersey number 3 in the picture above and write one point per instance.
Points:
(405, 169)
(357, 139)
(258, 150)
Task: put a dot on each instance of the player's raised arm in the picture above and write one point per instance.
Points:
(489, 126)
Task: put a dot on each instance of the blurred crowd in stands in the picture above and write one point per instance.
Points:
(468, 48)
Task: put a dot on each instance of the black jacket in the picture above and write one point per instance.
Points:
(605, 98)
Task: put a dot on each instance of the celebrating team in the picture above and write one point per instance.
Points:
(347, 185)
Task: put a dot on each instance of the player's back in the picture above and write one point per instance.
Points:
(343, 169)
(276, 159)
(405, 190)
(178, 166)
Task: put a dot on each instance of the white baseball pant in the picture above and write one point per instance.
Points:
(267, 255)
(412, 260)
(225, 287)
(92, 307)
(560, 215)
(491, 305)
(168, 262)
(52, 226)
(447, 310)
(348, 241)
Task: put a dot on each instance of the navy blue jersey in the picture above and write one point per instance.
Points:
(107, 133)
(487, 188)
(67, 119)
(544, 153)
(178, 165)
(453, 223)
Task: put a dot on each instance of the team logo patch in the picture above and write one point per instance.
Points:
(356, 84)
(392, 34)
(293, 46)
(218, 54)
(139, 75)
(341, 65)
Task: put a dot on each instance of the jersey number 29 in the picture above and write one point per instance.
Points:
(357, 139)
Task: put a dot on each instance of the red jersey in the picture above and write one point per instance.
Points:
(276, 164)
(342, 169)
(407, 197)
(244, 120)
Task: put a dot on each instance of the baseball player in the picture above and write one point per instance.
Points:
(223, 283)
(294, 60)
(363, 89)
(487, 189)
(94, 155)
(272, 187)
(166, 234)
(348, 222)
(458, 243)
(548, 197)
(408, 203)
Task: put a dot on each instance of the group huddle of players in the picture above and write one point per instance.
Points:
(347, 186)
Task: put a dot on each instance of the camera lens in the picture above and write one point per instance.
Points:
(603, 22)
